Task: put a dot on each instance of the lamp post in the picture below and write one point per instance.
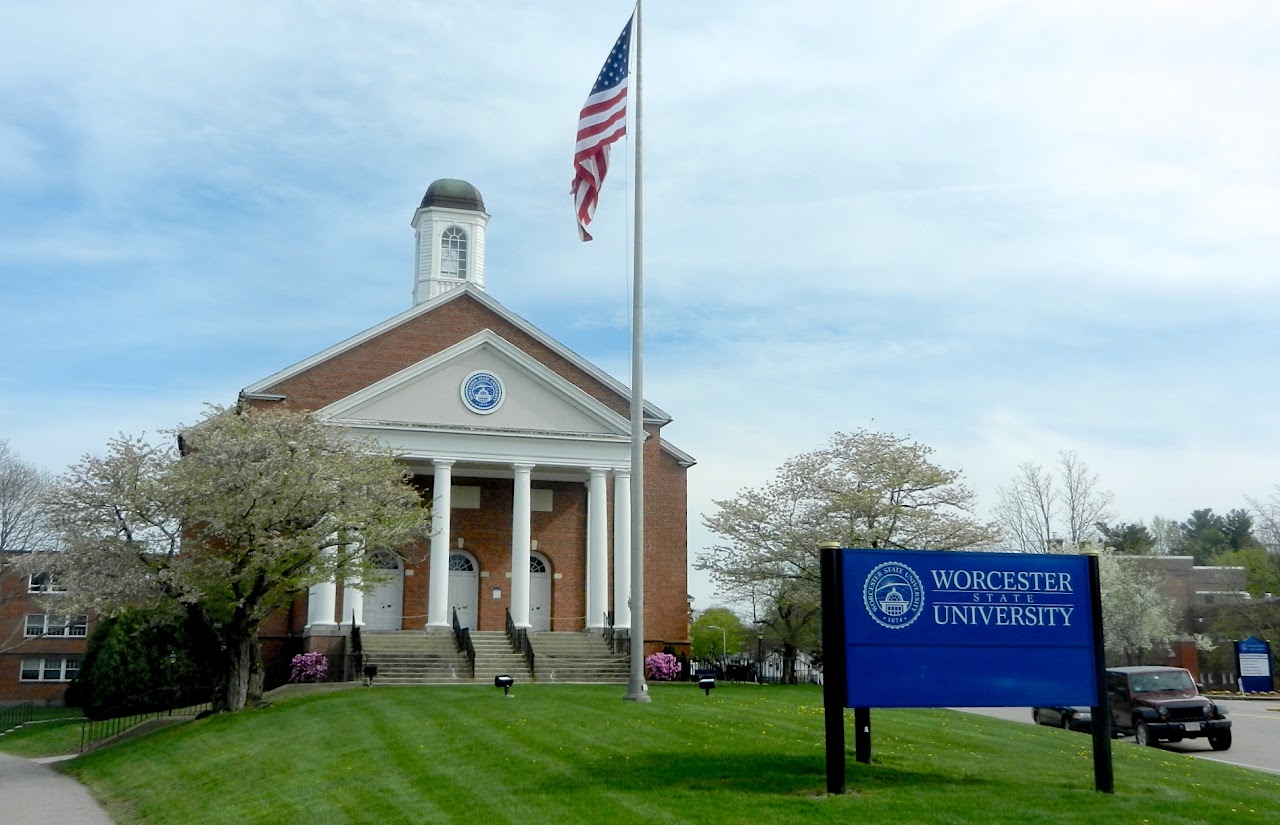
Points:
(724, 644)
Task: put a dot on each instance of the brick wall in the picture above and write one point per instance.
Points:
(15, 604)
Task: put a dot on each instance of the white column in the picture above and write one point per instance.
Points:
(597, 548)
(622, 548)
(438, 587)
(321, 604)
(313, 605)
(521, 535)
(353, 602)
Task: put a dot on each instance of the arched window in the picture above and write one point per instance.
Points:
(457, 561)
(453, 253)
(384, 560)
(537, 565)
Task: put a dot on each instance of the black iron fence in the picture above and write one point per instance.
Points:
(17, 715)
(770, 672)
(95, 731)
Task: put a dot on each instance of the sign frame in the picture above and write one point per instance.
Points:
(846, 607)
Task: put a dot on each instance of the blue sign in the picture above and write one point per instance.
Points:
(1253, 664)
(959, 629)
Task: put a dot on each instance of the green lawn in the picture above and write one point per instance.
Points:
(561, 754)
(43, 738)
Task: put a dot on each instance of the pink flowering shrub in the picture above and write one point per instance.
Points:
(662, 667)
(309, 667)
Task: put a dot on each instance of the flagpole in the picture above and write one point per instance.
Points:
(637, 689)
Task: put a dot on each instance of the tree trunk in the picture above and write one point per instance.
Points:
(788, 664)
(232, 688)
(257, 673)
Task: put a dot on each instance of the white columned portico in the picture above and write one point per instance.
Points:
(622, 548)
(597, 547)
(521, 535)
(441, 502)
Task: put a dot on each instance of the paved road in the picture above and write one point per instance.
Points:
(1255, 731)
(34, 792)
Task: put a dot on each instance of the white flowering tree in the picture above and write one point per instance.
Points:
(1137, 618)
(260, 506)
(864, 489)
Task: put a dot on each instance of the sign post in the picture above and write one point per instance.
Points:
(831, 565)
(1100, 725)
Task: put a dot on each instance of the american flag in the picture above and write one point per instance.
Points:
(602, 121)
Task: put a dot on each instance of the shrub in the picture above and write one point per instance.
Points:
(662, 667)
(137, 662)
(309, 667)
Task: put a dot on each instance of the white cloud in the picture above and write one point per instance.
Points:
(1005, 229)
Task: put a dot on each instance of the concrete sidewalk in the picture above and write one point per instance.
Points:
(35, 792)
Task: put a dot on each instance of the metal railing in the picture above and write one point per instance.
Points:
(16, 715)
(619, 640)
(462, 635)
(94, 731)
(520, 642)
(355, 656)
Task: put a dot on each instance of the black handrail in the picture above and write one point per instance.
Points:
(462, 635)
(355, 657)
(520, 642)
(608, 630)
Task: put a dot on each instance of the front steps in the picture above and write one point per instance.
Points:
(494, 657)
(413, 657)
(577, 657)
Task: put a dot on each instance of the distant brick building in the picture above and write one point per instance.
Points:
(1198, 593)
(41, 648)
(522, 447)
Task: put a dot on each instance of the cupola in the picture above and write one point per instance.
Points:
(450, 226)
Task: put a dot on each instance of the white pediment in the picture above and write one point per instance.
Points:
(429, 394)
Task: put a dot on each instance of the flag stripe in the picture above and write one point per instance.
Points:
(602, 121)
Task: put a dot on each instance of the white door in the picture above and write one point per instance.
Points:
(384, 605)
(539, 593)
(464, 589)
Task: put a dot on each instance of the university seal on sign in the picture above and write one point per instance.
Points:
(893, 595)
(482, 392)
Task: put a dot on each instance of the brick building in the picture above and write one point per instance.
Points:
(522, 447)
(40, 648)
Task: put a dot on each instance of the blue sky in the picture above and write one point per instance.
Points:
(1004, 229)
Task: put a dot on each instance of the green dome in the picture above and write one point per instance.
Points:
(453, 194)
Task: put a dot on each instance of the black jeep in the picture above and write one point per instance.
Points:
(1163, 703)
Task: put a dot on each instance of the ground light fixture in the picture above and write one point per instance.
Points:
(504, 682)
(707, 683)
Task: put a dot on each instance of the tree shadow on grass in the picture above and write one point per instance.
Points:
(761, 773)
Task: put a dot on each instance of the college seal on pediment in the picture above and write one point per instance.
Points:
(482, 392)
(893, 595)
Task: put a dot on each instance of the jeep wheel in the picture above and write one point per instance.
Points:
(1220, 741)
(1143, 736)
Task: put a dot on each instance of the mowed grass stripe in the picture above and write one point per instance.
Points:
(554, 753)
